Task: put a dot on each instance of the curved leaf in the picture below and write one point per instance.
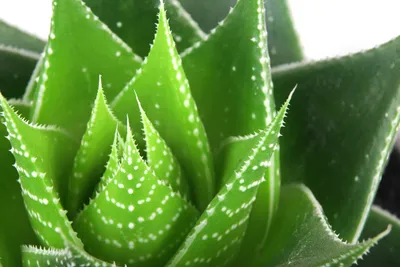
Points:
(136, 218)
(15, 37)
(134, 21)
(80, 48)
(387, 252)
(218, 234)
(164, 93)
(42, 156)
(301, 236)
(344, 118)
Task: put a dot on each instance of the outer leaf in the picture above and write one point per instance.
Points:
(80, 48)
(16, 67)
(161, 160)
(12, 36)
(134, 21)
(15, 229)
(42, 155)
(92, 154)
(345, 116)
(387, 252)
(164, 93)
(217, 236)
(136, 219)
(301, 236)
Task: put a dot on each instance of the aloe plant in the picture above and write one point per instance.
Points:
(138, 139)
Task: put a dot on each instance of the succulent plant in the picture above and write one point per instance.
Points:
(126, 153)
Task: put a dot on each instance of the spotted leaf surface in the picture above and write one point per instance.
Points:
(93, 153)
(135, 22)
(386, 252)
(15, 70)
(71, 67)
(301, 235)
(136, 219)
(15, 229)
(164, 93)
(161, 160)
(41, 167)
(345, 115)
(217, 235)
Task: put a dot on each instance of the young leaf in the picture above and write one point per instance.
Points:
(92, 154)
(80, 48)
(387, 252)
(161, 160)
(136, 218)
(345, 116)
(284, 44)
(15, 37)
(217, 236)
(134, 21)
(15, 70)
(42, 155)
(15, 229)
(301, 236)
(164, 93)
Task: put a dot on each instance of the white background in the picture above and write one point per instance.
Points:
(326, 27)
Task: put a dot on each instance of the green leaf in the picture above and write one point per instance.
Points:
(92, 154)
(301, 236)
(236, 74)
(42, 156)
(134, 21)
(136, 218)
(164, 93)
(15, 37)
(15, 70)
(344, 118)
(15, 229)
(284, 44)
(80, 48)
(161, 160)
(217, 236)
(387, 252)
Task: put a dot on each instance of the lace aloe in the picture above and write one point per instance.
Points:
(138, 139)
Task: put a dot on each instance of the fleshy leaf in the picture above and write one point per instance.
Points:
(345, 116)
(80, 48)
(136, 218)
(217, 236)
(284, 44)
(161, 160)
(387, 251)
(15, 229)
(134, 21)
(164, 93)
(42, 155)
(92, 154)
(15, 70)
(301, 236)
(15, 37)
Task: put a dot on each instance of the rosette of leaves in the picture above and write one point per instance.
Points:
(138, 139)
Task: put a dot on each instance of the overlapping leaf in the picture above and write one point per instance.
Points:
(161, 160)
(387, 251)
(301, 236)
(164, 93)
(136, 218)
(134, 21)
(42, 157)
(92, 154)
(217, 236)
(343, 121)
(72, 63)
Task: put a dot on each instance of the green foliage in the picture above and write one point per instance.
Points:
(142, 141)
